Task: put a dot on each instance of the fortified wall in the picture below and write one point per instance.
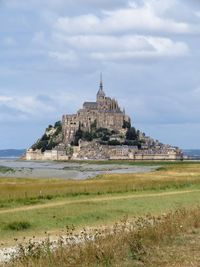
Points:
(95, 151)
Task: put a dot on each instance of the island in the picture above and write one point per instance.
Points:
(100, 130)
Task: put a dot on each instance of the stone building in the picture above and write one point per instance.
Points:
(104, 113)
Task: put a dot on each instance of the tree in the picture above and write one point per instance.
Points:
(94, 126)
(51, 145)
(57, 124)
(87, 136)
(45, 137)
(42, 145)
(114, 143)
(131, 134)
(105, 138)
(126, 125)
(100, 132)
(78, 136)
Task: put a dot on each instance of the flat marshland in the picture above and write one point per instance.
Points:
(34, 207)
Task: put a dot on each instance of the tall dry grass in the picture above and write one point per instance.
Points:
(172, 176)
(126, 244)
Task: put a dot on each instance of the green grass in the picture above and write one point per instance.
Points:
(68, 191)
(15, 193)
(4, 169)
(94, 213)
(18, 226)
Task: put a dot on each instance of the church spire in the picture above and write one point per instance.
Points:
(100, 93)
(101, 82)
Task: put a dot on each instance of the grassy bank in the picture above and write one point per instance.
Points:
(142, 242)
(33, 206)
(16, 192)
(90, 212)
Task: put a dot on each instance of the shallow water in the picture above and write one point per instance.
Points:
(65, 170)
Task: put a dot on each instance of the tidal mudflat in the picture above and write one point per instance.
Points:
(64, 170)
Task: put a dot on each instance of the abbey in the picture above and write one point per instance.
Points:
(99, 130)
(104, 113)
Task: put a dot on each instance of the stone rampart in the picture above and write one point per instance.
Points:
(47, 155)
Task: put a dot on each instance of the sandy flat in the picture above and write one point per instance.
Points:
(35, 169)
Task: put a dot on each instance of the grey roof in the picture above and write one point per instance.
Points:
(90, 104)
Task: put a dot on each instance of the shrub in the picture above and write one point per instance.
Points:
(51, 145)
(130, 143)
(127, 243)
(45, 137)
(87, 136)
(102, 132)
(94, 126)
(58, 130)
(105, 138)
(114, 143)
(4, 169)
(40, 144)
(58, 124)
(18, 226)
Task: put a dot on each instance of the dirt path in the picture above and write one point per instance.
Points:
(99, 199)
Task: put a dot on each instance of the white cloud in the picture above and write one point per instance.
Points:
(120, 20)
(81, 24)
(33, 107)
(104, 47)
(132, 4)
(4, 98)
(167, 47)
(135, 31)
(160, 7)
(27, 104)
(24, 107)
(105, 42)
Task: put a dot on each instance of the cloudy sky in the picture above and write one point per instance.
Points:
(52, 52)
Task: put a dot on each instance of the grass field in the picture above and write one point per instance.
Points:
(33, 206)
(171, 239)
(27, 191)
